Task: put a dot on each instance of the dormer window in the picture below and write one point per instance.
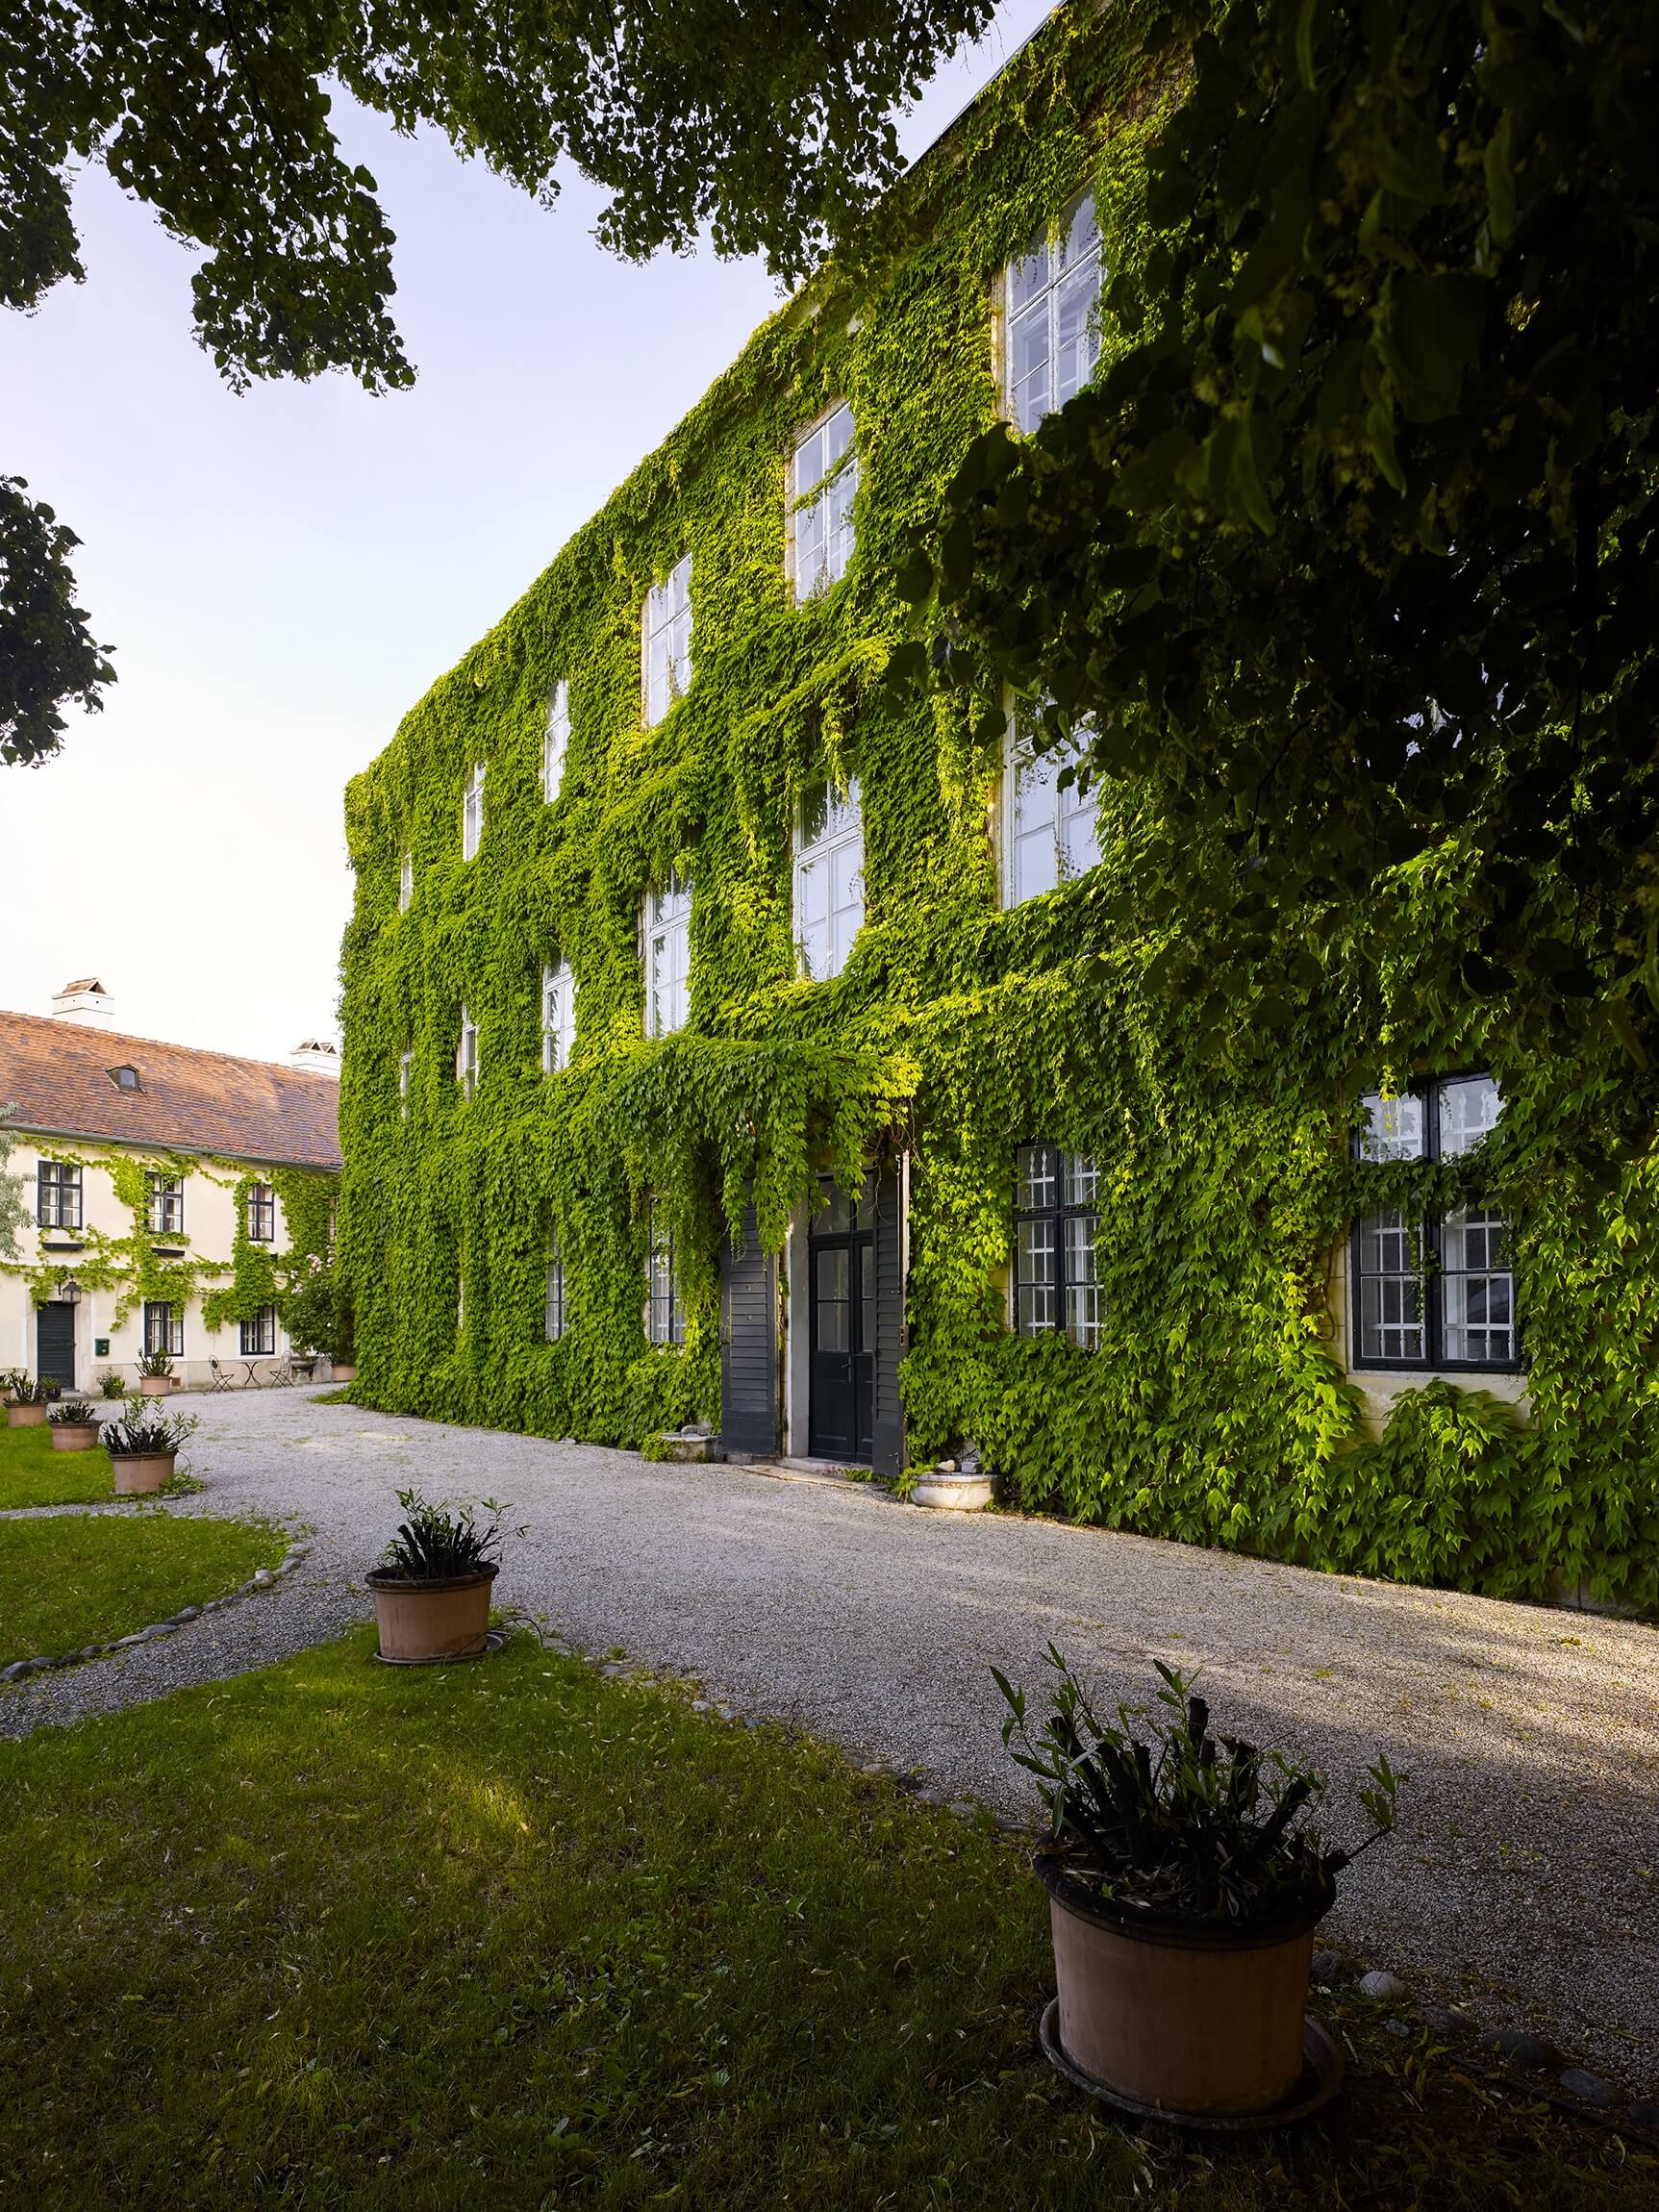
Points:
(124, 1078)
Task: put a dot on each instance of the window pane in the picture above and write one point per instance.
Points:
(833, 1278)
(1028, 278)
(1076, 342)
(1085, 1299)
(836, 1219)
(1393, 1128)
(1028, 365)
(1391, 1288)
(1035, 1249)
(1079, 829)
(1080, 1178)
(1468, 1110)
(1036, 1177)
(1478, 1289)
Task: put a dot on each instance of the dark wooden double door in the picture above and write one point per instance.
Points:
(844, 1324)
(55, 1345)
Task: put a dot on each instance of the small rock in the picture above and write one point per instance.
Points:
(1442, 2023)
(16, 1671)
(1327, 1969)
(1400, 2027)
(189, 1613)
(1378, 1984)
(965, 1808)
(1522, 2047)
(1588, 2088)
(699, 1704)
(262, 1576)
(125, 1643)
(1645, 2117)
(947, 1467)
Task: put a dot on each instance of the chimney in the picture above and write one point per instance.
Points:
(86, 1001)
(315, 1056)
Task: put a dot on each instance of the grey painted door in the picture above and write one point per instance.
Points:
(749, 1345)
(887, 1328)
(55, 1345)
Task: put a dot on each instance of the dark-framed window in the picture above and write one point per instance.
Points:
(166, 1203)
(58, 1195)
(554, 1313)
(262, 1213)
(1056, 1244)
(163, 1328)
(664, 1317)
(258, 1335)
(1433, 1293)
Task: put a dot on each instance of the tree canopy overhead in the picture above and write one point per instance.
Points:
(1351, 557)
(768, 125)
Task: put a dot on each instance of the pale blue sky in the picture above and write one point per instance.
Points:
(284, 573)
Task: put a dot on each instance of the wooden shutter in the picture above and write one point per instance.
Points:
(749, 1346)
(888, 1426)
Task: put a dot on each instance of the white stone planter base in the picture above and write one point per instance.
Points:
(951, 1492)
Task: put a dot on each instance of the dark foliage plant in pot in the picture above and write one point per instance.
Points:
(27, 1400)
(144, 1449)
(74, 1425)
(1185, 1877)
(433, 1585)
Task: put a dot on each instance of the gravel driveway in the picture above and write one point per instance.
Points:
(1524, 1878)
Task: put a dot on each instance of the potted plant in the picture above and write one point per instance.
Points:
(28, 1401)
(112, 1385)
(343, 1350)
(10, 1379)
(74, 1425)
(155, 1374)
(143, 1448)
(432, 1587)
(1184, 1880)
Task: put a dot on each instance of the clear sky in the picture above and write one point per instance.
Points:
(283, 574)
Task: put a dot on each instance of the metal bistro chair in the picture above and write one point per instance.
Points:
(283, 1375)
(220, 1380)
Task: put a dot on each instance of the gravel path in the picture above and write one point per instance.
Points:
(1524, 1878)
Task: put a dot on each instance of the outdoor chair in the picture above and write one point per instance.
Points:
(282, 1373)
(220, 1380)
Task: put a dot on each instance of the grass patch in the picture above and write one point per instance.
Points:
(84, 1578)
(33, 1474)
(516, 1935)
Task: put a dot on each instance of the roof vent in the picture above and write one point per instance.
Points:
(86, 1001)
(314, 1056)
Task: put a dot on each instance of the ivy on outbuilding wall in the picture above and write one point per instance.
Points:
(1214, 1412)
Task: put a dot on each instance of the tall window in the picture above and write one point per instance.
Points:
(824, 479)
(1050, 298)
(1434, 1293)
(555, 1317)
(1056, 1244)
(164, 1328)
(405, 1077)
(262, 1213)
(58, 1195)
(667, 641)
(258, 1335)
(829, 879)
(406, 883)
(166, 1193)
(665, 1322)
(1051, 835)
(556, 741)
(472, 815)
(558, 1017)
(667, 958)
(466, 1055)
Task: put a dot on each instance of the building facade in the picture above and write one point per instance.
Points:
(733, 1032)
(178, 1200)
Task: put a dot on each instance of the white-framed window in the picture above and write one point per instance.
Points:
(829, 878)
(258, 1335)
(667, 952)
(666, 640)
(664, 1319)
(405, 1078)
(466, 1055)
(1050, 835)
(163, 1328)
(824, 481)
(554, 1319)
(1433, 1291)
(406, 883)
(1056, 1244)
(558, 1017)
(556, 741)
(167, 1208)
(472, 815)
(1051, 298)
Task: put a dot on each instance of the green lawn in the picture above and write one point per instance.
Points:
(33, 1474)
(517, 1936)
(84, 1578)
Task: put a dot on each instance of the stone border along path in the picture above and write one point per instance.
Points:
(1521, 1888)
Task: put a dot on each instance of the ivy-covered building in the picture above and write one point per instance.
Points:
(733, 1032)
(180, 1200)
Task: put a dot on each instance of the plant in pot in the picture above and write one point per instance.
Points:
(10, 1379)
(1184, 1880)
(144, 1449)
(155, 1373)
(28, 1401)
(433, 1585)
(74, 1425)
(112, 1385)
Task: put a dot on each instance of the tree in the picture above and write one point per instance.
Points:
(14, 1192)
(768, 123)
(1351, 557)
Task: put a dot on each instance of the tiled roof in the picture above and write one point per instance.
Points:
(59, 1076)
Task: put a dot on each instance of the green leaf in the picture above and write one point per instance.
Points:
(1498, 165)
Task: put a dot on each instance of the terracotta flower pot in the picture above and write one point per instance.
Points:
(155, 1386)
(138, 1473)
(1192, 2018)
(26, 1416)
(344, 1370)
(74, 1435)
(422, 1624)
